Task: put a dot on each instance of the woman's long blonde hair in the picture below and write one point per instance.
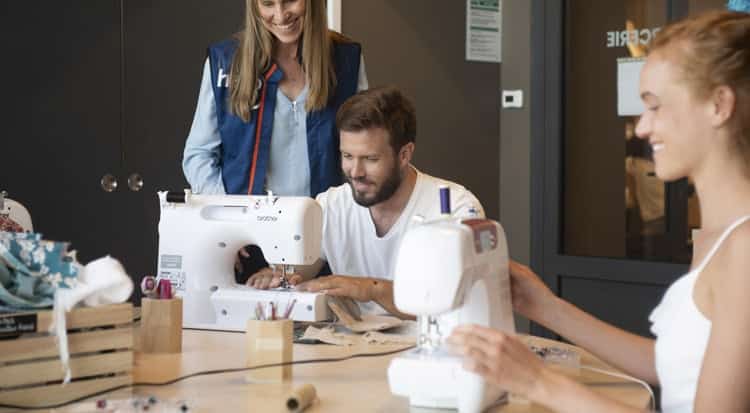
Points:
(256, 50)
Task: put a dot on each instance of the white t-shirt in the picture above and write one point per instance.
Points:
(350, 242)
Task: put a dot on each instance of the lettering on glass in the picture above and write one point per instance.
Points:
(624, 38)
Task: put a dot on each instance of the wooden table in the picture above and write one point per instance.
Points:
(358, 384)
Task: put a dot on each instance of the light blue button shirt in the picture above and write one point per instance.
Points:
(289, 165)
(200, 160)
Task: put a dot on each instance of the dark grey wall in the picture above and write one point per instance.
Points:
(515, 131)
(419, 45)
(515, 135)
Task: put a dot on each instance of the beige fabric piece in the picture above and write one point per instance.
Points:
(345, 309)
(330, 336)
(350, 317)
(327, 335)
(376, 337)
(371, 323)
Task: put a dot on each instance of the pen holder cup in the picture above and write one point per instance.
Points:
(161, 325)
(269, 342)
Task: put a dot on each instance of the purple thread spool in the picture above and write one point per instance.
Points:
(445, 200)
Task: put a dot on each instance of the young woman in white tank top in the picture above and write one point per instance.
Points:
(696, 89)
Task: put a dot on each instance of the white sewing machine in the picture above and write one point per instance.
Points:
(449, 272)
(199, 236)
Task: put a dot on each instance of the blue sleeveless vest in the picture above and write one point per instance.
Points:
(244, 159)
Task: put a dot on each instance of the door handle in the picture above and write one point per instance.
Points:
(108, 183)
(135, 182)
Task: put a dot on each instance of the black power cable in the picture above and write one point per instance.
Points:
(206, 373)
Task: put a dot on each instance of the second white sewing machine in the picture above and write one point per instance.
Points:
(449, 272)
(199, 236)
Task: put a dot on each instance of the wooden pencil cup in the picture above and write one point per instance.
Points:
(161, 325)
(269, 342)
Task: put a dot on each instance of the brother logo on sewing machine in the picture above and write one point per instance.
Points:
(267, 218)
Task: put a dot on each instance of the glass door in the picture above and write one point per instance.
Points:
(608, 235)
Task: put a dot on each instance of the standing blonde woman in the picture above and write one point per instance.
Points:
(265, 118)
(696, 89)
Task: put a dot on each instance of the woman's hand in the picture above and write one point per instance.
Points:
(499, 358)
(506, 362)
(269, 278)
(530, 296)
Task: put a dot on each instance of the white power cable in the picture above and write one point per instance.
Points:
(626, 377)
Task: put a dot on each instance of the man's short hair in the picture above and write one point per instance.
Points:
(381, 107)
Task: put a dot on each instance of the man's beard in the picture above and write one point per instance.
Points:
(386, 191)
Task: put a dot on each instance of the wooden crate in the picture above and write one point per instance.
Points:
(100, 341)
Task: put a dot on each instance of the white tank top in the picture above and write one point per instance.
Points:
(682, 333)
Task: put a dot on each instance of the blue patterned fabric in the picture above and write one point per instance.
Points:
(32, 269)
(739, 5)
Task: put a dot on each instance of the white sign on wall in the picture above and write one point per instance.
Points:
(483, 34)
(629, 101)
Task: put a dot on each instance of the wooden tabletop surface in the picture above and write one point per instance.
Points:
(357, 384)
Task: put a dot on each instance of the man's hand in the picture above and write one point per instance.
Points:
(358, 288)
(242, 253)
(269, 278)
